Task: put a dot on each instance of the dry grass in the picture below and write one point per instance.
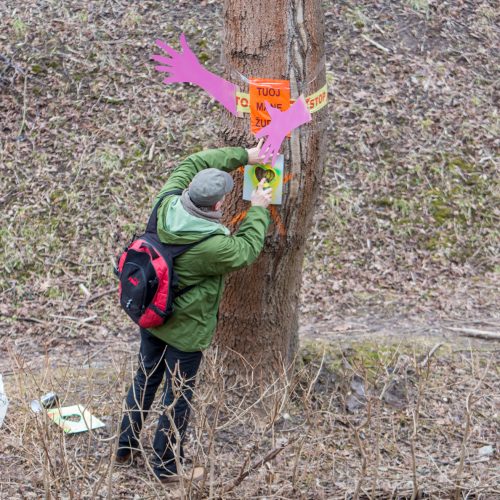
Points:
(409, 215)
(370, 422)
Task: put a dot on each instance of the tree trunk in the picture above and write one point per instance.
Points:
(278, 39)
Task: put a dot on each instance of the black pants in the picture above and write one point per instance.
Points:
(156, 359)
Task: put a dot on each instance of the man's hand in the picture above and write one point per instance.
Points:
(255, 155)
(261, 197)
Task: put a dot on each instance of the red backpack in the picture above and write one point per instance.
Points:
(146, 274)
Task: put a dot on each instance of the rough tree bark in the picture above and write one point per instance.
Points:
(279, 39)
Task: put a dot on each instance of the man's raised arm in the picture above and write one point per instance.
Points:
(226, 159)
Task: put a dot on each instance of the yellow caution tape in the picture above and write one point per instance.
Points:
(315, 101)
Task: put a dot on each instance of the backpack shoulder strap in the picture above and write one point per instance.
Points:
(153, 218)
(177, 250)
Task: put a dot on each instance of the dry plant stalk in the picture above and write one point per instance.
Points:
(290, 437)
(469, 400)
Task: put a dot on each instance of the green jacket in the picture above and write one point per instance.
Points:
(192, 324)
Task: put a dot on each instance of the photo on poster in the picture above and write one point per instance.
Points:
(273, 176)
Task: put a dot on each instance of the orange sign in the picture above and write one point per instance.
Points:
(275, 92)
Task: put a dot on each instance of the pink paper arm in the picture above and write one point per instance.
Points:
(282, 122)
(184, 67)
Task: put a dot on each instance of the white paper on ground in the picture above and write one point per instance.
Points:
(4, 402)
(73, 419)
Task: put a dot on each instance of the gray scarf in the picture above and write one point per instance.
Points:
(203, 212)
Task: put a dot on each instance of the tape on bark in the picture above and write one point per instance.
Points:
(315, 101)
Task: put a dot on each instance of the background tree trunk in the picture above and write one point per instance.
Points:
(279, 39)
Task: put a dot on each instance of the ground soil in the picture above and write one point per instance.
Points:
(403, 254)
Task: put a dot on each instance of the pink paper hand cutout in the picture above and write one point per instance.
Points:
(282, 122)
(184, 67)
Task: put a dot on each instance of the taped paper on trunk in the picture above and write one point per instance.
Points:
(275, 92)
(273, 176)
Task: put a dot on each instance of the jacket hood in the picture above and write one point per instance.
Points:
(176, 225)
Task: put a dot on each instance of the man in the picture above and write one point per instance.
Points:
(175, 348)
